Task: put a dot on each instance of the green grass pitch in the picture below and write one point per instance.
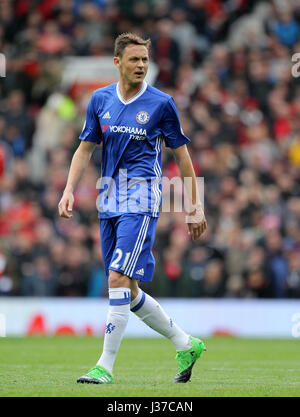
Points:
(231, 367)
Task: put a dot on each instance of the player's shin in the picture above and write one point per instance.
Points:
(117, 319)
(152, 314)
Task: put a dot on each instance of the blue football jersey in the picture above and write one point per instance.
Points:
(131, 133)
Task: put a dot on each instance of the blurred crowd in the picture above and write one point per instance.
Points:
(228, 65)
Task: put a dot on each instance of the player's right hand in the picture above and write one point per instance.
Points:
(65, 206)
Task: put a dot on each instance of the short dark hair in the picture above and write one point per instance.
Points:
(129, 39)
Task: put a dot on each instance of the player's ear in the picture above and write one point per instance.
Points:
(117, 61)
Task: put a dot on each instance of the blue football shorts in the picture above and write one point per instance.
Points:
(126, 244)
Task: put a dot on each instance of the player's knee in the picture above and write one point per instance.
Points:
(117, 280)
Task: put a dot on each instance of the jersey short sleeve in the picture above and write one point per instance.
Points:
(170, 126)
(91, 130)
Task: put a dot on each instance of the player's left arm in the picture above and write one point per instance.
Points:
(196, 219)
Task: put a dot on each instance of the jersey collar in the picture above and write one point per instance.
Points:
(132, 99)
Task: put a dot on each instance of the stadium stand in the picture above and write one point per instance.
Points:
(228, 65)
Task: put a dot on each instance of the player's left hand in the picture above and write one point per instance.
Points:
(197, 229)
(196, 224)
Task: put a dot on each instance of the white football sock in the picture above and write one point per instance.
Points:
(116, 322)
(152, 314)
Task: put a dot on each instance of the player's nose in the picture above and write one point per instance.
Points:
(141, 63)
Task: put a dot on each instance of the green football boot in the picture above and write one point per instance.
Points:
(186, 360)
(96, 375)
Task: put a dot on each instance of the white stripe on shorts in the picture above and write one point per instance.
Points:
(140, 247)
(134, 249)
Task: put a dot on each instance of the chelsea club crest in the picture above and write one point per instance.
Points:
(142, 117)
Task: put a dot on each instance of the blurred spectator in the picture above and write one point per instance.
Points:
(286, 28)
(172, 269)
(166, 53)
(17, 116)
(41, 281)
(213, 282)
(276, 263)
(97, 285)
(191, 44)
(6, 282)
(257, 280)
(52, 41)
(293, 277)
(228, 66)
(73, 280)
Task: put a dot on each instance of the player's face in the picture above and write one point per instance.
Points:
(133, 65)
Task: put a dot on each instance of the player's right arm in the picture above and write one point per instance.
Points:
(90, 136)
(79, 162)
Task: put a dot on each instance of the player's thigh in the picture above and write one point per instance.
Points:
(132, 255)
(108, 241)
